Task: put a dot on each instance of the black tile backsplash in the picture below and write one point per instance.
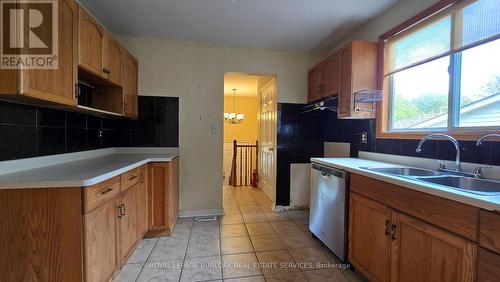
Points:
(302, 136)
(29, 131)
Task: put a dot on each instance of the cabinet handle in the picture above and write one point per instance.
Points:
(122, 210)
(109, 189)
(119, 211)
(387, 227)
(142, 178)
(133, 177)
(77, 91)
(393, 232)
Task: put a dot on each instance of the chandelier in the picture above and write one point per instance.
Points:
(233, 117)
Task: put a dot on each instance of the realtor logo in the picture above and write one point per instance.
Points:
(28, 34)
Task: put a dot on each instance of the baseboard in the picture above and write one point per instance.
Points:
(204, 212)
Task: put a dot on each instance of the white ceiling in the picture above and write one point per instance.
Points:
(271, 24)
(246, 85)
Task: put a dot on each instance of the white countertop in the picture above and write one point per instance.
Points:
(354, 165)
(84, 171)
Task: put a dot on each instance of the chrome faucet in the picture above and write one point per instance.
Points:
(446, 136)
(480, 141)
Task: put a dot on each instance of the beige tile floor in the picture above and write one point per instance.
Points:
(249, 243)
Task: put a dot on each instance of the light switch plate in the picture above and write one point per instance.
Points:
(215, 128)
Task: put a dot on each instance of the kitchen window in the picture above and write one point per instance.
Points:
(441, 71)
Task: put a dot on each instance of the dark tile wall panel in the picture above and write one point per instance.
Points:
(29, 131)
(301, 136)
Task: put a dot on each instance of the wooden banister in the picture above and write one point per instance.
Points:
(243, 163)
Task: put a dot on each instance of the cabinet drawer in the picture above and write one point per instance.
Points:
(130, 178)
(96, 195)
(489, 230)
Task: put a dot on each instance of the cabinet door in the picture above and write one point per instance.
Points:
(58, 85)
(114, 60)
(345, 93)
(91, 44)
(142, 202)
(369, 240)
(314, 84)
(130, 87)
(100, 236)
(128, 222)
(421, 252)
(331, 75)
(173, 192)
(158, 196)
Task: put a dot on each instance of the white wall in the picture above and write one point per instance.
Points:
(194, 72)
(397, 14)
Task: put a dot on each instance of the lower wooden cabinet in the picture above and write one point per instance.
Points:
(127, 225)
(422, 252)
(369, 243)
(142, 202)
(386, 245)
(100, 245)
(163, 196)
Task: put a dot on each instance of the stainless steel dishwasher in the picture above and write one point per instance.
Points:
(328, 208)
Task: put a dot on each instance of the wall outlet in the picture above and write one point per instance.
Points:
(364, 137)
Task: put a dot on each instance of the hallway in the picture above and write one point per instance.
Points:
(249, 243)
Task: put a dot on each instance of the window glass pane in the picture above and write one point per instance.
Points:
(429, 41)
(481, 20)
(420, 96)
(480, 86)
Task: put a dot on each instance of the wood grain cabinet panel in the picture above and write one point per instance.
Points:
(100, 193)
(489, 230)
(331, 75)
(100, 235)
(421, 252)
(358, 61)
(52, 86)
(369, 244)
(128, 223)
(142, 202)
(453, 216)
(163, 196)
(488, 266)
(315, 80)
(130, 85)
(41, 235)
(114, 60)
(92, 40)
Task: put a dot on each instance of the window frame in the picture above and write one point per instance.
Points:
(383, 130)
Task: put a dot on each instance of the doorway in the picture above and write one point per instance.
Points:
(250, 133)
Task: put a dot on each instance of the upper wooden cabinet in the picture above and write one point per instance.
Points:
(358, 72)
(55, 86)
(92, 43)
(331, 75)
(113, 66)
(130, 85)
(315, 82)
(349, 70)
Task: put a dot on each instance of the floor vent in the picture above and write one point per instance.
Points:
(205, 218)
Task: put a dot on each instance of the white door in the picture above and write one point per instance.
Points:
(267, 152)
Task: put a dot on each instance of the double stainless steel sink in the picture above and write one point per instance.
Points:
(472, 185)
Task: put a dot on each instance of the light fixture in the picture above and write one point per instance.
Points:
(234, 118)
